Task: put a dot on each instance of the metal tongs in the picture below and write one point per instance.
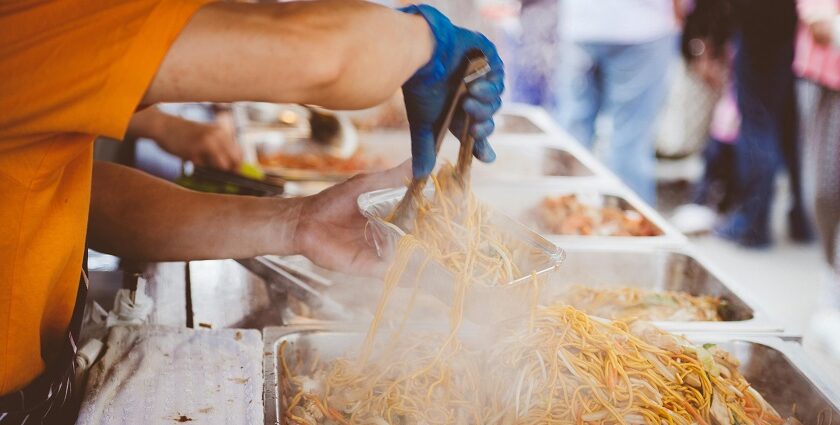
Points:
(475, 66)
(306, 285)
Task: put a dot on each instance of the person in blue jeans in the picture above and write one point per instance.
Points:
(615, 59)
(768, 140)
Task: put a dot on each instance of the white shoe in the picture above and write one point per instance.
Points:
(692, 219)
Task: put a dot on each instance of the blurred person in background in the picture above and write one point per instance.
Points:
(716, 191)
(614, 59)
(817, 64)
(707, 52)
(762, 37)
(534, 57)
(768, 136)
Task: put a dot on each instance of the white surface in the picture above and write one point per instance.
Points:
(224, 293)
(783, 279)
(159, 375)
(166, 285)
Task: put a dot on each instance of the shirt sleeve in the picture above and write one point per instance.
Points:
(82, 66)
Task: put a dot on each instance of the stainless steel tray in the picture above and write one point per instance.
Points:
(661, 269)
(638, 266)
(518, 200)
(521, 118)
(525, 157)
(777, 369)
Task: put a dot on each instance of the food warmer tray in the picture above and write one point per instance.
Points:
(638, 266)
(779, 370)
(517, 156)
(519, 199)
(662, 269)
(521, 118)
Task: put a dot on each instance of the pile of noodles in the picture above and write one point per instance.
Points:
(555, 366)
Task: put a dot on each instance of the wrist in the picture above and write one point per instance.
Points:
(422, 41)
(284, 219)
(278, 220)
(439, 48)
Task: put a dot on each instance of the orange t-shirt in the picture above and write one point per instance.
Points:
(69, 70)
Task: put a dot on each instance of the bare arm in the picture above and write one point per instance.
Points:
(202, 143)
(137, 216)
(340, 54)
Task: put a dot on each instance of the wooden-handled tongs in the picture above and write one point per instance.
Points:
(475, 66)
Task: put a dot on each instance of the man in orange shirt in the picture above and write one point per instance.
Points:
(74, 69)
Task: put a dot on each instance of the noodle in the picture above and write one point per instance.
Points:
(556, 366)
(637, 304)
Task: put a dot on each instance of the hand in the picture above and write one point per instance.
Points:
(822, 31)
(331, 230)
(204, 144)
(713, 71)
(426, 92)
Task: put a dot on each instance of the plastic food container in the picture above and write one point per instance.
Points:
(485, 301)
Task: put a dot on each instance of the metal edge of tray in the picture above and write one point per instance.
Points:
(760, 323)
(538, 116)
(791, 351)
(670, 236)
(271, 382)
(560, 141)
(558, 138)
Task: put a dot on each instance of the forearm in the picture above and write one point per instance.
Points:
(341, 54)
(148, 123)
(137, 216)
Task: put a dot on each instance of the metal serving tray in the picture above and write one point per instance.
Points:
(779, 370)
(518, 199)
(661, 269)
(524, 157)
(638, 266)
(521, 118)
(517, 157)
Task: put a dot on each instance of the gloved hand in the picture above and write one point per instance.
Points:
(426, 92)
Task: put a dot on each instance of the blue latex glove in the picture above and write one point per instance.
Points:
(426, 92)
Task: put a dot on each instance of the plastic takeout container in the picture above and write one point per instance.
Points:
(485, 302)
